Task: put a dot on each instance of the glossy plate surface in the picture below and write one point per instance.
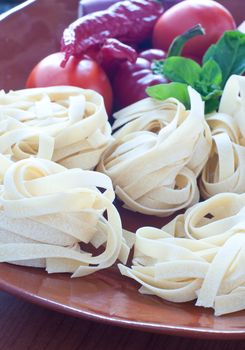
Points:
(105, 296)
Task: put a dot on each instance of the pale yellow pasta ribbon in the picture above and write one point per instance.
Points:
(199, 255)
(225, 169)
(48, 210)
(66, 124)
(157, 154)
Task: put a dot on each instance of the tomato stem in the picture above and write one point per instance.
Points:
(179, 42)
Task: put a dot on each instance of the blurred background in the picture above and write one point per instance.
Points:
(8, 4)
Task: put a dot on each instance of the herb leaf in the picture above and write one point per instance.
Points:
(211, 74)
(182, 70)
(212, 100)
(229, 54)
(164, 91)
(221, 60)
(211, 105)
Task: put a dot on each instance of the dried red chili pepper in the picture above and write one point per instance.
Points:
(114, 49)
(128, 21)
(112, 54)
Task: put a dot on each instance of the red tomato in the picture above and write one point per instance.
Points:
(84, 73)
(214, 18)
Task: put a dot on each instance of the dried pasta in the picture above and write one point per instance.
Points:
(225, 169)
(158, 152)
(68, 125)
(199, 255)
(47, 211)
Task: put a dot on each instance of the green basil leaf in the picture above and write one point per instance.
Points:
(181, 70)
(212, 94)
(229, 54)
(211, 74)
(215, 94)
(209, 54)
(165, 91)
(211, 105)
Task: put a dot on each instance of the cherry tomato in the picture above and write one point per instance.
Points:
(85, 73)
(213, 17)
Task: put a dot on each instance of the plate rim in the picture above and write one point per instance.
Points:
(178, 331)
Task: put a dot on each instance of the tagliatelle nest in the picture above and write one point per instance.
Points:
(199, 255)
(157, 154)
(68, 125)
(225, 169)
(47, 210)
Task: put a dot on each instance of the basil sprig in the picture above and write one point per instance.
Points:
(220, 61)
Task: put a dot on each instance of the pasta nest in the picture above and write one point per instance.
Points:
(46, 211)
(225, 169)
(158, 152)
(199, 255)
(68, 125)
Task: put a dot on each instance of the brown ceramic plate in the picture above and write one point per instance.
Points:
(26, 35)
(108, 297)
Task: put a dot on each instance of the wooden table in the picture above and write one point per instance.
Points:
(24, 326)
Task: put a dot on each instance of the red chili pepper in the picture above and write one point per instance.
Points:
(113, 53)
(128, 21)
(114, 49)
(131, 79)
